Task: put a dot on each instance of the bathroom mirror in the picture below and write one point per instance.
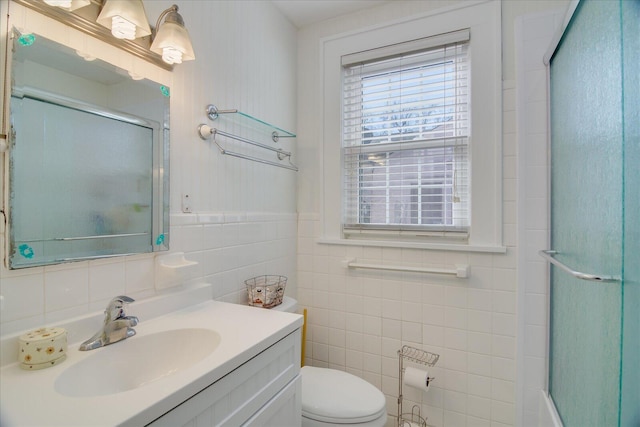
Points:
(88, 158)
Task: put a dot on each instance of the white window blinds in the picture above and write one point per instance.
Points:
(406, 137)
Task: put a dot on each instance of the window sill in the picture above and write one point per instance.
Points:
(453, 247)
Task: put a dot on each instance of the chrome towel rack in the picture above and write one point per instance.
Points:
(206, 131)
(461, 271)
(548, 255)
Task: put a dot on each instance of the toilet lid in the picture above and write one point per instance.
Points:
(333, 396)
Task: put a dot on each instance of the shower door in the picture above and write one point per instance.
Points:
(594, 217)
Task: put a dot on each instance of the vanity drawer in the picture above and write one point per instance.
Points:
(236, 397)
(283, 410)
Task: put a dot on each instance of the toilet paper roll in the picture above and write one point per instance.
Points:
(416, 378)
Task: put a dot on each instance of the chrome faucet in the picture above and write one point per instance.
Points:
(117, 326)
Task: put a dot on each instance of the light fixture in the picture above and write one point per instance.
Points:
(172, 38)
(69, 5)
(123, 24)
(125, 18)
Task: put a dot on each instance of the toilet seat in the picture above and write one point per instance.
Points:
(337, 397)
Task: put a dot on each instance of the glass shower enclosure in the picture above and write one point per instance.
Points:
(594, 337)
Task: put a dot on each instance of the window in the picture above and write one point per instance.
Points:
(442, 172)
(405, 137)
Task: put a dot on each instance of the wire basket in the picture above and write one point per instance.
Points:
(266, 291)
(412, 419)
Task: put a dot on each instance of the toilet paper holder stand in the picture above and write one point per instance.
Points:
(421, 357)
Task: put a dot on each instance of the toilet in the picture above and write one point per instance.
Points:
(336, 398)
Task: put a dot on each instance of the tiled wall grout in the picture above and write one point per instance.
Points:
(58, 292)
(395, 319)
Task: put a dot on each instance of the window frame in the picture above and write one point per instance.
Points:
(484, 21)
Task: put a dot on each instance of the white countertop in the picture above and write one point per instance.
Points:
(28, 398)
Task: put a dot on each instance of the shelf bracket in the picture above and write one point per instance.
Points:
(213, 112)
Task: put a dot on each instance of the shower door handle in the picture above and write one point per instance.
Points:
(548, 255)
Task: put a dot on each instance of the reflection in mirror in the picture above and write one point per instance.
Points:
(89, 153)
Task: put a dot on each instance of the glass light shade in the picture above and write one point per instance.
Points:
(171, 55)
(173, 43)
(122, 29)
(125, 18)
(69, 5)
(59, 3)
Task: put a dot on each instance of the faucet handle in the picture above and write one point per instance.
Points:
(122, 299)
(115, 308)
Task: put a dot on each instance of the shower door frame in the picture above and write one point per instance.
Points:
(571, 10)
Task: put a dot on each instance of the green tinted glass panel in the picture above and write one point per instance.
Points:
(587, 216)
(630, 381)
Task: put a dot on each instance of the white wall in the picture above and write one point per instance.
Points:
(358, 320)
(244, 213)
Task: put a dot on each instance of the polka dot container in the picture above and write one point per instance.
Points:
(42, 348)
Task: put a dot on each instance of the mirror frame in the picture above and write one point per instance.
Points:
(84, 19)
(161, 192)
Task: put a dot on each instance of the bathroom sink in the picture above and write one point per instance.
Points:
(136, 362)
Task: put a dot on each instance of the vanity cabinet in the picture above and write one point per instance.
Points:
(264, 391)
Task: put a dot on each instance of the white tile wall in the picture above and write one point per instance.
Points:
(471, 324)
(244, 221)
(258, 244)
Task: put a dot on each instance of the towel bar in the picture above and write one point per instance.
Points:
(461, 271)
(548, 255)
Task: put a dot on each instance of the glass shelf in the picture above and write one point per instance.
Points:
(247, 120)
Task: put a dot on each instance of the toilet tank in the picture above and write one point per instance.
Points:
(289, 305)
